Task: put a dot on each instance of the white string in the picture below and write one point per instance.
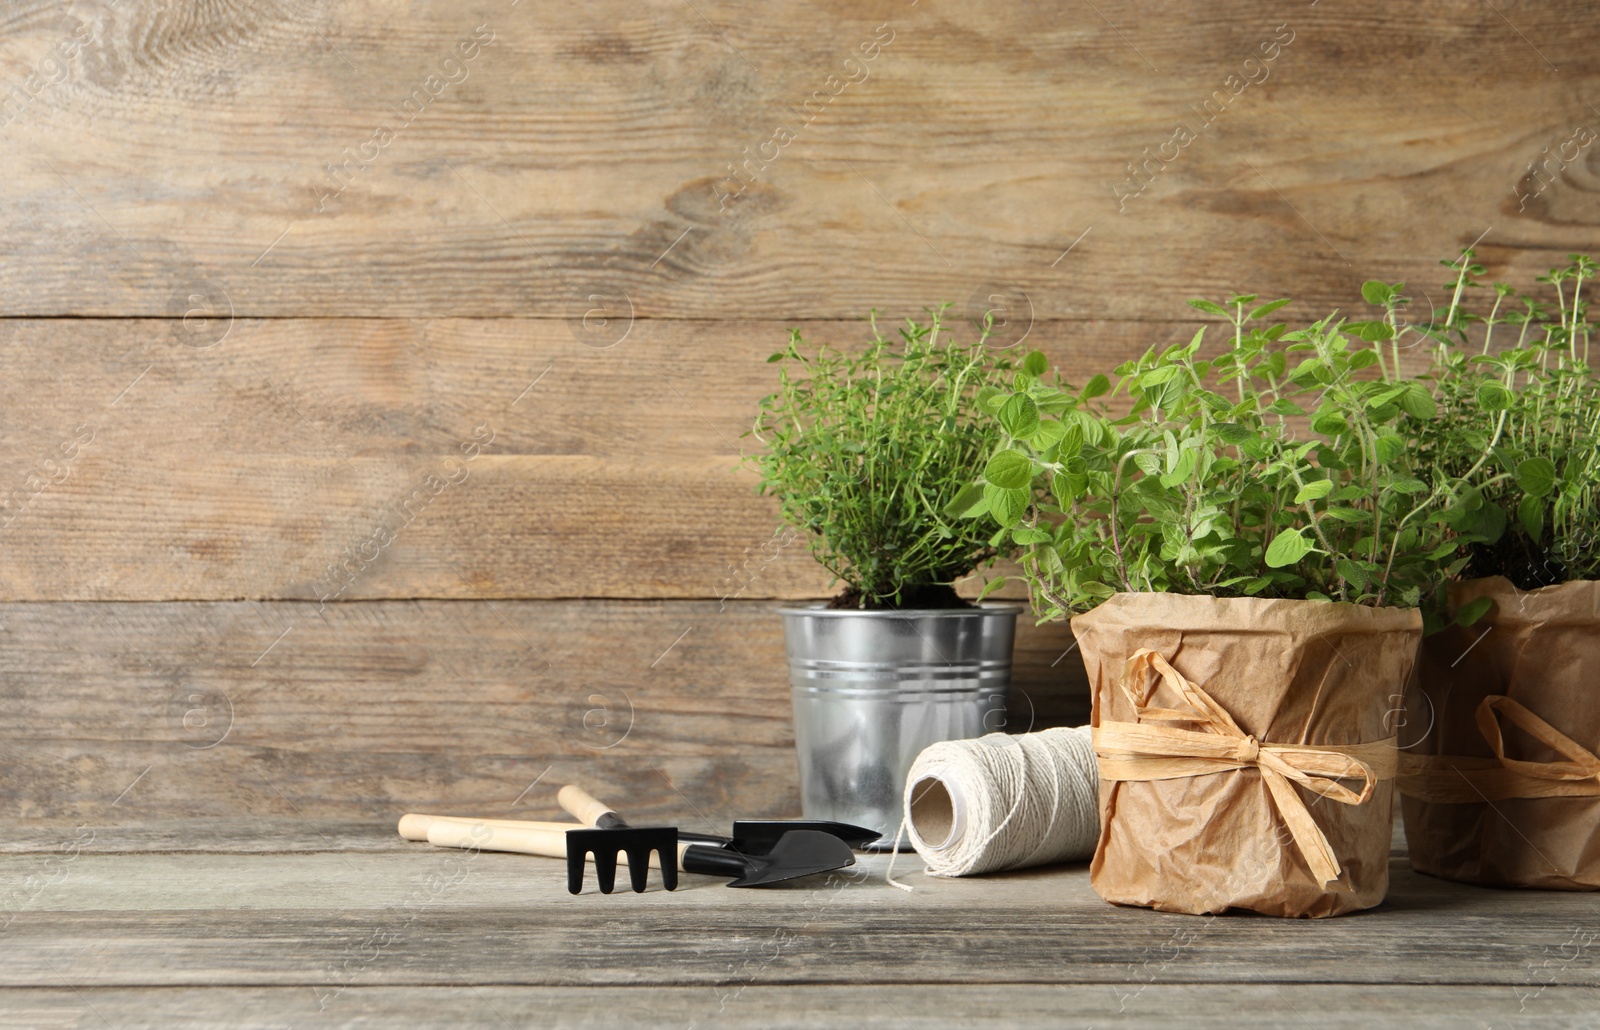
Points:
(1015, 801)
(894, 853)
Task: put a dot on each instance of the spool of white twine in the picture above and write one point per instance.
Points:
(1004, 802)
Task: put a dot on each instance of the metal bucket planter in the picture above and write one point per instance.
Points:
(873, 688)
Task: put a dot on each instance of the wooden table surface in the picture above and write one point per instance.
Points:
(301, 923)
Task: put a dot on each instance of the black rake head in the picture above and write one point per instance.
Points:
(635, 843)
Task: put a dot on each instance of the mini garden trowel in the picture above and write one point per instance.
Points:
(750, 836)
(796, 853)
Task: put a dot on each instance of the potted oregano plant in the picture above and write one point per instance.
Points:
(1500, 782)
(865, 449)
(1242, 538)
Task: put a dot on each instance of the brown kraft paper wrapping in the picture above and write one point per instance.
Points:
(1481, 820)
(1292, 675)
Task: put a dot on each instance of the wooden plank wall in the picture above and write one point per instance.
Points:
(267, 266)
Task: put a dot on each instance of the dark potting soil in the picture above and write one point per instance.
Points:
(933, 596)
(1527, 567)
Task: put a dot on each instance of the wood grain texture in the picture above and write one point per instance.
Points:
(431, 917)
(274, 462)
(492, 1007)
(588, 146)
(136, 712)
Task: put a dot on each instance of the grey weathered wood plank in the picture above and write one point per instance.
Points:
(582, 151)
(1157, 1007)
(128, 713)
(437, 918)
(291, 459)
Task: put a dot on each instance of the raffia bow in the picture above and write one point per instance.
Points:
(1452, 779)
(1148, 750)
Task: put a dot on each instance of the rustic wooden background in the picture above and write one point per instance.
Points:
(227, 365)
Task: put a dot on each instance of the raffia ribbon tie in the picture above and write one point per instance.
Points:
(1453, 779)
(1150, 750)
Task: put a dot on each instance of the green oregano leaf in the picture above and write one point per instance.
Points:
(1330, 423)
(968, 503)
(1536, 476)
(1009, 470)
(1266, 309)
(1530, 514)
(1287, 548)
(1006, 506)
(1418, 402)
(1157, 376)
(1494, 397)
(1353, 573)
(1314, 490)
(1232, 432)
(1019, 416)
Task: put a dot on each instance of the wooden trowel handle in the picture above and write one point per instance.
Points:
(586, 809)
(415, 827)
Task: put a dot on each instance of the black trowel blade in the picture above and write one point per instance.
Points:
(797, 853)
(759, 836)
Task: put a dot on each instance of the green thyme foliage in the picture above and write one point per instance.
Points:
(865, 449)
(1285, 466)
(1519, 420)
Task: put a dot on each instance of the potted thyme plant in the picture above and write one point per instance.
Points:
(865, 450)
(1502, 788)
(1242, 539)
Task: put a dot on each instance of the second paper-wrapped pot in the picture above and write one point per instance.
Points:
(1500, 783)
(1246, 761)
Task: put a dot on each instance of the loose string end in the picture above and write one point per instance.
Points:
(888, 874)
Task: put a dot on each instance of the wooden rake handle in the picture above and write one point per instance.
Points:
(548, 839)
(524, 840)
(415, 827)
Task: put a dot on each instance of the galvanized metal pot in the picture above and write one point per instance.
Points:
(873, 688)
